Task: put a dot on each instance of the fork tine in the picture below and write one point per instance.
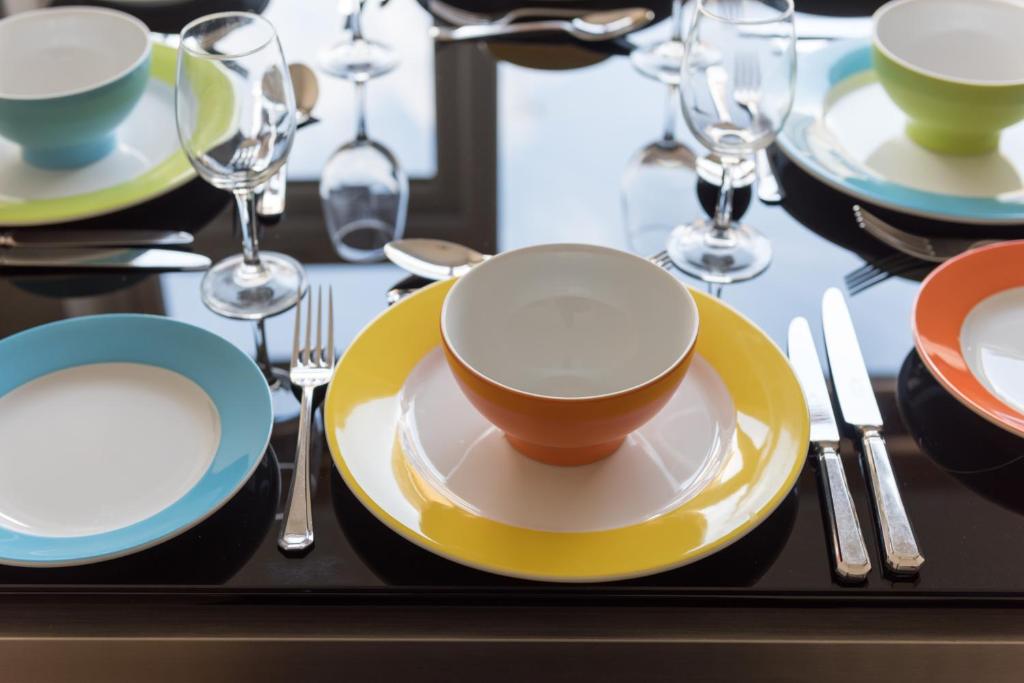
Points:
(309, 327)
(295, 338)
(330, 324)
(899, 265)
(854, 277)
(319, 353)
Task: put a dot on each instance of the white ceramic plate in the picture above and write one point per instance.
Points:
(147, 163)
(845, 131)
(992, 341)
(468, 459)
(138, 151)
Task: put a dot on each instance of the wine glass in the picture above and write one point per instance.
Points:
(231, 69)
(364, 194)
(655, 177)
(354, 57)
(737, 91)
(663, 60)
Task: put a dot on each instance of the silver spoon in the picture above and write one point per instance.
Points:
(441, 259)
(433, 259)
(589, 27)
(307, 91)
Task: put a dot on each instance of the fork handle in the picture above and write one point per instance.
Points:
(478, 31)
(271, 201)
(768, 189)
(297, 528)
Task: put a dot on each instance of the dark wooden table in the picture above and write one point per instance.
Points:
(525, 156)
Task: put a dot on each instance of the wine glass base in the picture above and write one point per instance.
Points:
(358, 60)
(235, 289)
(661, 61)
(741, 255)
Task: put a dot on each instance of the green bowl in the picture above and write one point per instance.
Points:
(956, 67)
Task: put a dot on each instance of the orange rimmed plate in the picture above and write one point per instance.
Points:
(969, 330)
(708, 469)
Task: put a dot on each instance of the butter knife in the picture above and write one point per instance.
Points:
(849, 555)
(47, 237)
(860, 410)
(91, 258)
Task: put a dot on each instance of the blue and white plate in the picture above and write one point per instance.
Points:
(118, 432)
(845, 131)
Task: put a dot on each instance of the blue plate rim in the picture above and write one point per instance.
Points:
(138, 530)
(819, 72)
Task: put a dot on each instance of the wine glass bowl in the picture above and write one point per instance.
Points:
(364, 193)
(231, 66)
(737, 89)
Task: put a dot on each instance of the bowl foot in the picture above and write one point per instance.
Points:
(565, 457)
(74, 156)
(945, 141)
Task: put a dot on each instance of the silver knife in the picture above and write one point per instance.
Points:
(860, 409)
(850, 560)
(47, 237)
(91, 258)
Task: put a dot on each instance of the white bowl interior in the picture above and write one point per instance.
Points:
(569, 321)
(64, 51)
(977, 41)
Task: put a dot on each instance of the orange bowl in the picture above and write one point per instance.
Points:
(568, 348)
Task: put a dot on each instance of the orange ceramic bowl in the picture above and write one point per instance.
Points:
(568, 348)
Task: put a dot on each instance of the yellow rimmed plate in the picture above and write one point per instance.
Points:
(147, 163)
(707, 470)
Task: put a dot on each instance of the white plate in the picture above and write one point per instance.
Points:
(848, 133)
(144, 141)
(657, 469)
(992, 342)
(94, 448)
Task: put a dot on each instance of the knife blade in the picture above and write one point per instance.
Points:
(91, 258)
(859, 407)
(47, 237)
(850, 561)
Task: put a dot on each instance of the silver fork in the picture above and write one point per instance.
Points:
(662, 260)
(311, 368)
(746, 92)
(934, 249)
(878, 271)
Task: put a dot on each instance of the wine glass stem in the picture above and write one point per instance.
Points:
(723, 212)
(669, 133)
(360, 110)
(355, 19)
(246, 201)
(262, 355)
(677, 20)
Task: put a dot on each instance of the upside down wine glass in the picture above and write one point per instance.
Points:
(736, 90)
(232, 73)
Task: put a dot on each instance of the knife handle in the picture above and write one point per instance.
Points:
(849, 554)
(899, 547)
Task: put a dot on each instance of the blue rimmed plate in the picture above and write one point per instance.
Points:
(845, 131)
(118, 432)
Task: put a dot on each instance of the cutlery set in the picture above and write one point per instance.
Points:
(589, 27)
(859, 408)
(73, 249)
(913, 252)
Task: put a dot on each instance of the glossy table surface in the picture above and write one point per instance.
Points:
(555, 142)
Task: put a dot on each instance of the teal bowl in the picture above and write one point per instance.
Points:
(955, 67)
(68, 78)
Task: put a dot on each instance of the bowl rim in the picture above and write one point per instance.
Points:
(79, 10)
(686, 352)
(879, 15)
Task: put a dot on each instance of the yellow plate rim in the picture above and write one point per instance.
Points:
(342, 395)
